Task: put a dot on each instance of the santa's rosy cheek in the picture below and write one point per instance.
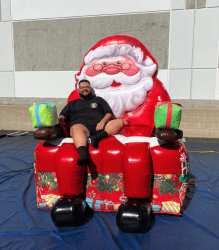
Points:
(91, 72)
(133, 70)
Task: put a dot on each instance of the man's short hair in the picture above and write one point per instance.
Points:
(83, 80)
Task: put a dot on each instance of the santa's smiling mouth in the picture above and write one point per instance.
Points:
(115, 84)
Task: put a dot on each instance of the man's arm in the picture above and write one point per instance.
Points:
(105, 119)
(64, 115)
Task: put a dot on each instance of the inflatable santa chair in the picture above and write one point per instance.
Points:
(141, 170)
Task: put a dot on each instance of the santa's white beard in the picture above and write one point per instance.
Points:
(127, 97)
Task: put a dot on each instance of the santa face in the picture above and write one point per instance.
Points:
(112, 73)
(112, 66)
(122, 82)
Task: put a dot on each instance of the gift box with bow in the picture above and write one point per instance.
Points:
(167, 115)
(43, 115)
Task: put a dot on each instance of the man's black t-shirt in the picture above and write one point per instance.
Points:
(87, 112)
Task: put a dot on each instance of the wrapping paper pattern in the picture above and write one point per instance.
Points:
(46, 189)
(171, 207)
(105, 192)
(50, 199)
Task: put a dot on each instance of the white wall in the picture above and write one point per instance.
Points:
(38, 9)
(193, 45)
(193, 60)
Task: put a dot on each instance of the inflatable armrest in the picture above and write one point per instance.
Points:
(168, 135)
(66, 128)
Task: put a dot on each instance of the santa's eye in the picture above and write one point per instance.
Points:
(118, 62)
(104, 63)
(98, 67)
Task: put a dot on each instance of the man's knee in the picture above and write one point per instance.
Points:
(114, 126)
(78, 129)
(74, 129)
(120, 122)
(116, 123)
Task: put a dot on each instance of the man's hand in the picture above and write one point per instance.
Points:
(100, 125)
(62, 119)
(105, 119)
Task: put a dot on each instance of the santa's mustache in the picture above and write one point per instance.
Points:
(104, 80)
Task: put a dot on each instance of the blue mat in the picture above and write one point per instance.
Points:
(23, 226)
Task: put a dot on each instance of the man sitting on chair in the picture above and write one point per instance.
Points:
(90, 116)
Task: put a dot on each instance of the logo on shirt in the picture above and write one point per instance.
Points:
(93, 105)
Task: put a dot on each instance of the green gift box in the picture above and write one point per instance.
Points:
(43, 115)
(167, 115)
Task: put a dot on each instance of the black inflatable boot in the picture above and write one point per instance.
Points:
(68, 211)
(134, 216)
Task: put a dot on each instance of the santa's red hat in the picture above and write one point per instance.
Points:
(119, 45)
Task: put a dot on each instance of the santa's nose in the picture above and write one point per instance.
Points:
(112, 70)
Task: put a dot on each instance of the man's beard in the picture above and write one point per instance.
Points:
(86, 97)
